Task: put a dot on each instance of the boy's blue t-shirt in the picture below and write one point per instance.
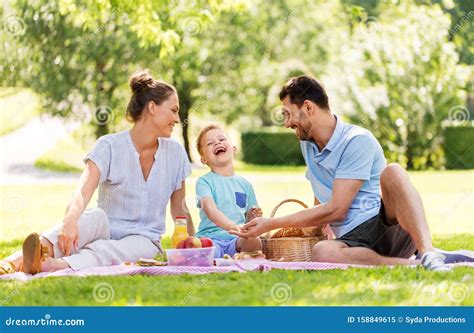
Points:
(233, 196)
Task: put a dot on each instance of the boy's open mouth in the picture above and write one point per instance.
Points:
(219, 150)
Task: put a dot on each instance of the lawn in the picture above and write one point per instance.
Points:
(381, 286)
(17, 106)
(447, 195)
(448, 199)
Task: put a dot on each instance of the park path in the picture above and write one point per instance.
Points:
(20, 149)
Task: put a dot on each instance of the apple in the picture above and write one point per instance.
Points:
(192, 243)
(206, 242)
(180, 244)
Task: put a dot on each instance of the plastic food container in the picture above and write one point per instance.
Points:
(190, 257)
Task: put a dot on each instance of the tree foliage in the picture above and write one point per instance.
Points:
(401, 79)
(78, 55)
(396, 67)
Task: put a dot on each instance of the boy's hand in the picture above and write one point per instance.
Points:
(253, 212)
(235, 227)
(254, 228)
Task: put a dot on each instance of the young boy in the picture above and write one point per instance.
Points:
(225, 199)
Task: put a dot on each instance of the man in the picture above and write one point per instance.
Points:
(373, 209)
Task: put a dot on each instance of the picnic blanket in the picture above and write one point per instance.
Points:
(241, 266)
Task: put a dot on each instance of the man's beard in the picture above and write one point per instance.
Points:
(304, 127)
(303, 132)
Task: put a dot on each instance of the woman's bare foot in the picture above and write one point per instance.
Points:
(53, 265)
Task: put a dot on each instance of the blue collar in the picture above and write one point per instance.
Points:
(333, 141)
(336, 135)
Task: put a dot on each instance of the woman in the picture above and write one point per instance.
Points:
(138, 172)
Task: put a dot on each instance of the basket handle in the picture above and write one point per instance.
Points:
(286, 201)
(268, 234)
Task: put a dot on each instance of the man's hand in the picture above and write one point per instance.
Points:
(253, 212)
(254, 228)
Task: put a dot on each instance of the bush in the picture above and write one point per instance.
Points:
(271, 146)
(458, 147)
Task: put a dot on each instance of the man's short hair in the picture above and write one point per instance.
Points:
(302, 88)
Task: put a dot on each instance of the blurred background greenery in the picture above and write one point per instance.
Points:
(403, 69)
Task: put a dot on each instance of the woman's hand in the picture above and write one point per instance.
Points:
(68, 237)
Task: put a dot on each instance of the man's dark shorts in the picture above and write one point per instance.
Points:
(384, 237)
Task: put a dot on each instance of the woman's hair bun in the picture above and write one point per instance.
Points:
(140, 81)
(144, 90)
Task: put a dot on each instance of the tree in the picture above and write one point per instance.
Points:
(185, 67)
(402, 78)
(269, 43)
(78, 54)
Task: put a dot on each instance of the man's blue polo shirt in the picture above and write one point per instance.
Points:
(351, 153)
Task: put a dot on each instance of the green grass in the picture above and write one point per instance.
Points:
(381, 286)
(447, 196)
(355, 286)
(17, 106)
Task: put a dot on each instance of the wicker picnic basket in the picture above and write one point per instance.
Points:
(291, 244)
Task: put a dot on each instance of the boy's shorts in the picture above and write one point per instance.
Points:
(224, 246)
